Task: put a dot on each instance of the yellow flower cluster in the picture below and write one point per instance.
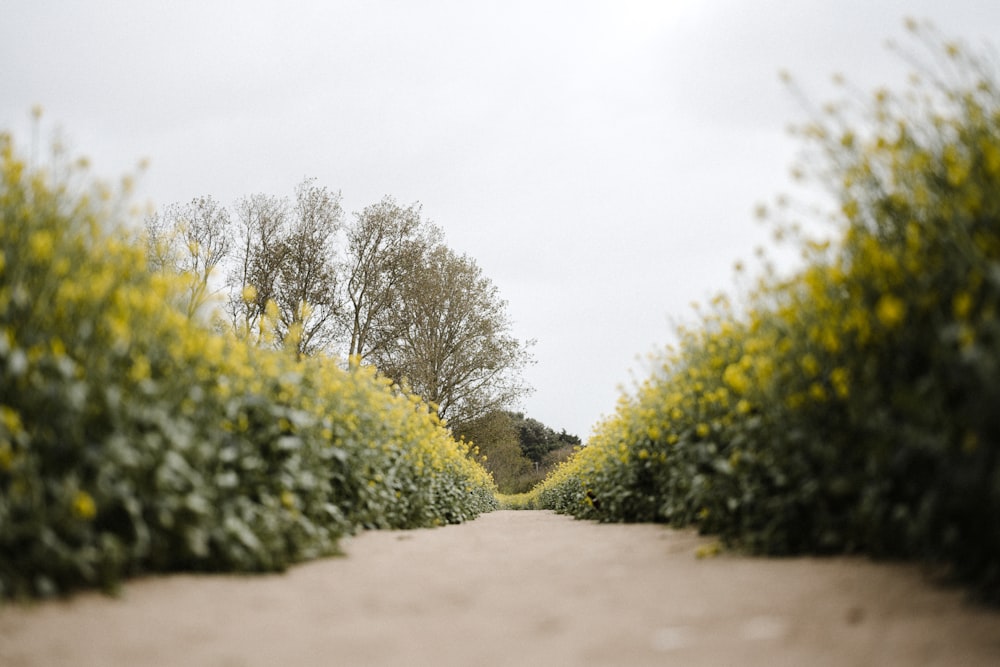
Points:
(849, 406)
(135, 437)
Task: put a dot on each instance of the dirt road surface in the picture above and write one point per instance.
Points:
(517, 588)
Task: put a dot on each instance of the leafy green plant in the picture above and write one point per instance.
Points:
(134, 438)
(851, 406)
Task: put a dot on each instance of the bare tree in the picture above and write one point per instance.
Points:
(286, 262)
(190, 239)
(307, 278)
(394, 295)
(257, 235)
(384, 246)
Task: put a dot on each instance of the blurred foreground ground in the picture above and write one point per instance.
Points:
(517, 588)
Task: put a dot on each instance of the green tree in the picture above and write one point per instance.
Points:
(500, 437)
(454, 346)
(538, 440)
(496, 440)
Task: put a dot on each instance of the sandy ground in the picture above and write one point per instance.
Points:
(517, 588)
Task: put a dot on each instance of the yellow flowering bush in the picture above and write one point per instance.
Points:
(134, 438)
(850, 407)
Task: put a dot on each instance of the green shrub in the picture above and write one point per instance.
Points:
(134, 439)
(851, 407)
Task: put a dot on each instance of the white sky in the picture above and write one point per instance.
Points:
(599, 159)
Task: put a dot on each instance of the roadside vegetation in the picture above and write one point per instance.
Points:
(847, 407)
(137, 435)
(850, 407)
(518, 451)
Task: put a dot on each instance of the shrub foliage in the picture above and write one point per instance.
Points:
(133, 438)
(852, 406)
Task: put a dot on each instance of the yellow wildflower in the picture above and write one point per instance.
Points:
(709, 550)
(794, 401)
(42, 245)
(817, 392)
(735, 378)
(961, 305)
(890, 310)
(10, 419)
(839, 380)
(140, 368)
(830, 341)
(249, 294)
(810, 365)
(84, 506)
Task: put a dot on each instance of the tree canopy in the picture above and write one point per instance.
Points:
(518, 451)
(382, 289)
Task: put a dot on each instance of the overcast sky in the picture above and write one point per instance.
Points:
(600, 160)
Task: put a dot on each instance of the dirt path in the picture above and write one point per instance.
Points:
(517, 588)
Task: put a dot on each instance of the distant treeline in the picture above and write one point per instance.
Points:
(517, 450)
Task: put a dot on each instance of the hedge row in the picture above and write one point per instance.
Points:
(853, 406)
(133, 439)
